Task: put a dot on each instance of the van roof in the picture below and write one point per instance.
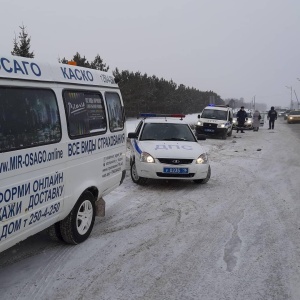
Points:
(21, 68)
(218, 107)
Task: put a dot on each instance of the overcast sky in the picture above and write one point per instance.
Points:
(237, 48)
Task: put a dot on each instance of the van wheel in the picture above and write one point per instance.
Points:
(205, 180)
(135, 177)
(54, 233)
(230, 133)
(224, 135)
(77, 226)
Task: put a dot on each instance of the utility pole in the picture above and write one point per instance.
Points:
(292, 106)
(253, 103)
(296, 98)
(290, 87)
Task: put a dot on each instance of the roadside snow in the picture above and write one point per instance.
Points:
(237, 237)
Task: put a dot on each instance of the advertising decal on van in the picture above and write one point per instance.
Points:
(27, 69)
(28, 196)
(24, 67)
(29, 159)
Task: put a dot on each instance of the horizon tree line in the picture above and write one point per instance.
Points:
(140, 92)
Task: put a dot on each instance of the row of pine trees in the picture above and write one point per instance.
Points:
(140, 92)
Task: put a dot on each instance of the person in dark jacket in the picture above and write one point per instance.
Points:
(272, 116)
(241, 118)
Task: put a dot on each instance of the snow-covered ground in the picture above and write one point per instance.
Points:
(237, 237)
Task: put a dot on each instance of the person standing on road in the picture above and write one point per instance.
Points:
(241, 118)
(272, 116)
(256, 120)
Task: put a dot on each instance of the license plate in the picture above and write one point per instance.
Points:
(209, 130)
(176, 170)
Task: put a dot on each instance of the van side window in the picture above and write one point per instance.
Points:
(115, 111)
(85, 113)
(29, 117)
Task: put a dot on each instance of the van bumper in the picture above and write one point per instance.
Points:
(210, 131)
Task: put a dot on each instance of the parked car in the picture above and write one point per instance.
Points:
(293, 116)
(262, 120)
(281, 113)
(165, 147)
(286, 114)
(249, 121)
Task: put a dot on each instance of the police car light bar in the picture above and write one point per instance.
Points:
(151, 115)
(218, 105)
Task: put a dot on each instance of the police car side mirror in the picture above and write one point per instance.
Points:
(132, 135)
(201, 137)
(230, 119)
(199, 116)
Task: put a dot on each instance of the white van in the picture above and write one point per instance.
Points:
(62, 148)
(215, 120)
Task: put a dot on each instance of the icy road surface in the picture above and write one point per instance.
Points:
(237, 237)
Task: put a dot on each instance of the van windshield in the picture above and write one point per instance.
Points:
(214, 114)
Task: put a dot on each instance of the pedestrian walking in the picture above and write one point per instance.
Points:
(256, 120)
(241, 118)
(272, 116)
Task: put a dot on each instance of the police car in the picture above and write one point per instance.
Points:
(249, 120)
(165, 147)
(215, 120)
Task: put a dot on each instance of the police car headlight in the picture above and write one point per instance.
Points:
(234, 121)
(290, 118)
(221, 125)
(199, 123)
(249, 122)
(202, 159)
(147, 158)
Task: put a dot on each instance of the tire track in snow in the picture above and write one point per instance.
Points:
(233, 246)
(45, 275)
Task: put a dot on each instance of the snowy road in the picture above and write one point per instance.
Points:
(237, 237)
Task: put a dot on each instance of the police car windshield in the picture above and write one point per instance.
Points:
(214, 114)
(167, 132)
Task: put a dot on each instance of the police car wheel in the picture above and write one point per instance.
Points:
(134, 175)
(205, 180)
(77, 226)
(55, 233)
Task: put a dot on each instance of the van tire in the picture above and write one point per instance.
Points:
(224, 135)
(230, 132)
(71, 227)
(134, 175)
(54, 233)
(205, 180)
